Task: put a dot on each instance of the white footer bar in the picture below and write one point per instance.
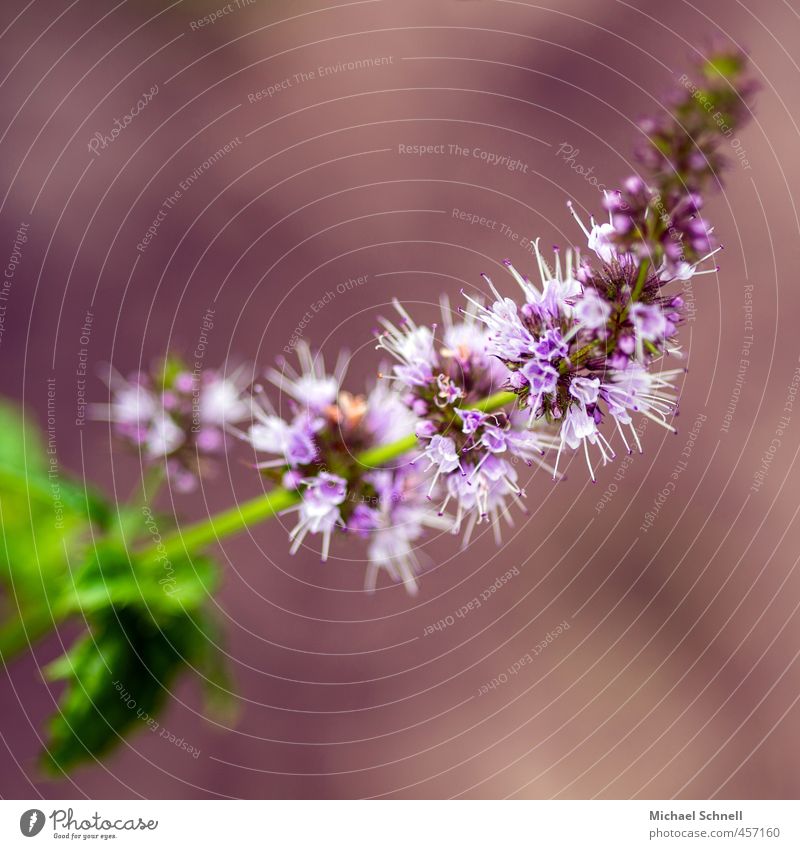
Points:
(402, 824)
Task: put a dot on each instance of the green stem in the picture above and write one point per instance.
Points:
(228, 522)
(640, 279)
(382, 454)
(148, 485)
(496, 402)
(263, 507)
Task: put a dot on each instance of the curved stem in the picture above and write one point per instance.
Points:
(263, 507)
(234, 519)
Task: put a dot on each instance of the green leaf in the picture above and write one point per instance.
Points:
(118, 677)
(21, 446)
(147, 625)
(45, 520)
(722, 65)
(113, 577)
(62, 552)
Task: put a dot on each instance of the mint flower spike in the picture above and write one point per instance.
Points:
(657, 215)
(566, 366)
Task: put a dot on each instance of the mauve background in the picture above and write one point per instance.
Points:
(679, 674)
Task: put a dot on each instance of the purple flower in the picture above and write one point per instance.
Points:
(601, 241)
(541, 377)
(579, 428)
(399, 519)
(550, 345)
(132, 403)
(319, 512)
(484, 498)
(637, 390)
(592, 311)
(442, 455)
(292, 443)
(585, 389)
(425, 429)
(471, 420)
(222, 399)
(493, 439)
(292, 479)
(300, 448)
(507, 334)
(418, 373)
(311, 388)
(448, 392)
(412, 347)
(163, 437)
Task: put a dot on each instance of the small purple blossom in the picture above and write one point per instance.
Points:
(471, 420)
(593, 312)
(442, 455)
(398, 516)
(319, 510)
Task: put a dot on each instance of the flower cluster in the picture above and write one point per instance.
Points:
(315, 442)
(470, 449)
(173, 413)
(580, 351)
(675, 240)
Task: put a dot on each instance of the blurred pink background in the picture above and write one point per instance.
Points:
(679, 674)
